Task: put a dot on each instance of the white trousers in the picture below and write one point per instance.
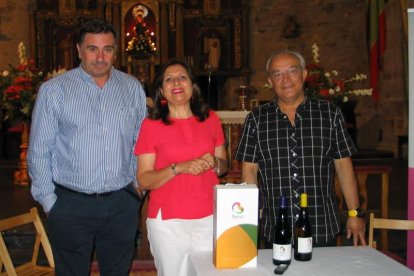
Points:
(171, 240)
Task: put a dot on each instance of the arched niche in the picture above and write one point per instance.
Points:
(128, 22)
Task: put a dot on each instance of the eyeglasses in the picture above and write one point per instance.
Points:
(291, 72)
(179, 78)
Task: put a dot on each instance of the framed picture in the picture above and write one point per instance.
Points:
(214, 45)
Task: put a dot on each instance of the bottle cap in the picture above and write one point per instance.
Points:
(304, 200)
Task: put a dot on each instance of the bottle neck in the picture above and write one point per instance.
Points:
(303, 214)
(282, 221)
(304, 210)
(282, 214)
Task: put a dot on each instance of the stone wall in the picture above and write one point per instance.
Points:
(340, 29)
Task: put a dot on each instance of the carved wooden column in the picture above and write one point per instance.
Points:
(163, 43)
(179, 39)
(244, 39)
(21, 176)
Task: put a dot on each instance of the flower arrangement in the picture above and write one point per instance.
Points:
(328, 85)
(18, 88)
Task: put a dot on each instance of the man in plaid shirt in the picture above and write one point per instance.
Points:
(291, 146)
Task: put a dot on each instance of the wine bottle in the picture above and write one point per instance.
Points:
(282, 243)
(303, 232)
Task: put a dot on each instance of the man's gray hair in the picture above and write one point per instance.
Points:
(297, 55)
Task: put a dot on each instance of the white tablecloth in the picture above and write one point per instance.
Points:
(338, 261)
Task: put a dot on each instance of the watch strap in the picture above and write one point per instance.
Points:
(358, 212)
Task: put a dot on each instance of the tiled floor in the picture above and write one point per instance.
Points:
(17, 199)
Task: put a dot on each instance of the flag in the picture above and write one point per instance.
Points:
(377, 42)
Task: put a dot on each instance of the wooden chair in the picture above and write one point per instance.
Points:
(390, 224)
(30, 268)
(362, 173)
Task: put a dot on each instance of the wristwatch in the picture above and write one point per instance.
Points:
(358, 212)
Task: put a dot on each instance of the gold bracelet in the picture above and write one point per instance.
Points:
(174, 170)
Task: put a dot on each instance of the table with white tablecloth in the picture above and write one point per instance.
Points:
(338, 261)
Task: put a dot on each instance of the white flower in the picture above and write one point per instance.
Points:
(335, 73)
(358, 77)
(327, 75)
(362, 92)
(21, 49)
(315, 53)
(55, 73)
(25, 110)
(331, 91)
(345, 99)
(5, 73)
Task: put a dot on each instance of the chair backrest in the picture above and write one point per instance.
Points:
(390, 224)
(30, 268)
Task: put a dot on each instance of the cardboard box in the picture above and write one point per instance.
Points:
(235, 225)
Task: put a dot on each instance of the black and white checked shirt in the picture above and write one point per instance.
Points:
(297, 158)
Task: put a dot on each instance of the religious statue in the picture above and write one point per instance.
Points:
(212, 49)
(142, 42)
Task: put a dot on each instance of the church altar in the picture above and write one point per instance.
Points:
(228, 117)
(232, 122)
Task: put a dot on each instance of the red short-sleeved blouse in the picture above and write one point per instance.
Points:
(184, 196)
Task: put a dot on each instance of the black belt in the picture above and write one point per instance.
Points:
(106, 194)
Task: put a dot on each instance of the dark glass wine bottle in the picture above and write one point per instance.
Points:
(282, 243)
(303, 232)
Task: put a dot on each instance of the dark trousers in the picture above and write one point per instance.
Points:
(79, 223)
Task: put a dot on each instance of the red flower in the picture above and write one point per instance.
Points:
(313, 66)
(23, 80)
(31, 62)
(313, 80)
(15, 97)
(22, 67)
(12, 89)
(340, 84)
(324, 92)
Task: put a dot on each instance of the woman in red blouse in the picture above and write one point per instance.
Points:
(181, 153)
